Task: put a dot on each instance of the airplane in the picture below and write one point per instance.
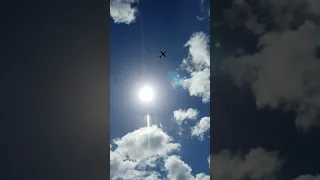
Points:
(163, 54)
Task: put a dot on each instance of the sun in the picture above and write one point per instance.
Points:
(146, 94)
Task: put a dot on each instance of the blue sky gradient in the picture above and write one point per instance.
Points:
(135, 49)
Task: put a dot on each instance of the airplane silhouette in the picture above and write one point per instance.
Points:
(163, 54)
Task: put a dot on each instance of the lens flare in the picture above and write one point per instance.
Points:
(148, 124)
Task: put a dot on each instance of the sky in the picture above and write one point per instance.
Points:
(265, 86)
(176, 144)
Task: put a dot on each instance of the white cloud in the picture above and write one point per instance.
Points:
(145, 143)
(122, 12)
(122, 168)
(202, 176)
(308, 177)
(199, 55)
(177, 169)
(180, 115)
(198, 84)
(202, 126)
(198, 65)
(132, 157)
(137, 150)
(256, 165)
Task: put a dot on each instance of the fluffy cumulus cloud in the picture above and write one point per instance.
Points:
(145, 143)
(177, 169)
(258, 164)
(191, 114)
(202, 176)
(138, 150)
(181, 115)
(122, 11)
(202, 126)
(141, 153)
(284, 72)
(198, 65)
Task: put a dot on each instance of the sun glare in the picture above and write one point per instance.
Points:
(146, 94)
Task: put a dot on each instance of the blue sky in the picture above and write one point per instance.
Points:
(178, 137)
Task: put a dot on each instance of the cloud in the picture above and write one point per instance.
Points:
(271, 14)
(145, 143)
(200, 18)
(198, 65)
(202, 126)
(198, 45)
(308, 177)
(256, 165)
(122, 168)
(313, 6)
(133, 158)
(202, 5)
(202, 176)
(284, 73)
(177, 169)
(136, 151)
(181, 115)
(205, 9)
(199, 84)
(121, 11)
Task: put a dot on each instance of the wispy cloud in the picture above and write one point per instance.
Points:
(201, 18)
(121, 11)
(204, 9)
